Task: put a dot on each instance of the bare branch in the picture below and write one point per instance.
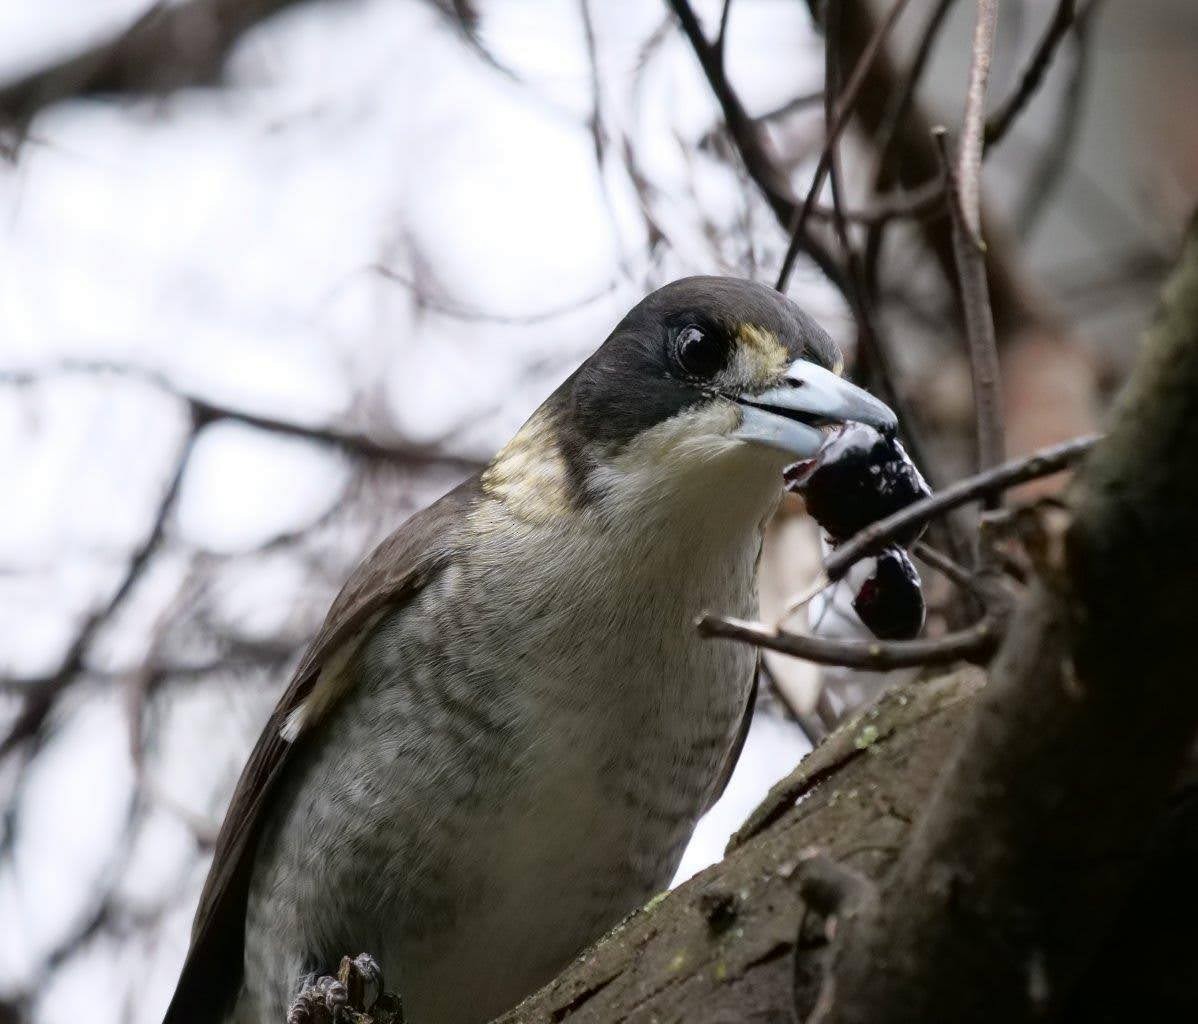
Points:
(844, 110)
(595, 121)
(965, 204)
(969, 158)
(1040, 463)
(169, 47)
(813, 727)
(979, 320)
(41, 694)
(904, 96)
(755, 151)
(999, 123)
(173, 46)
(950, 569)
(721, 37)
(975, 643)
(795, 103)
(205, 410)
(1043, 178)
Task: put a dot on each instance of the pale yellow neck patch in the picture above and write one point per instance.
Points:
(529, 475)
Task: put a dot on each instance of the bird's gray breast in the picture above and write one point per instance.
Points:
(523, 757)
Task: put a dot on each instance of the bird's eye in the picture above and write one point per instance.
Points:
(699, 354)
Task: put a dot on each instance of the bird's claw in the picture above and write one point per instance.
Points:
(354, 996)
(321, 1000)
(362, 978)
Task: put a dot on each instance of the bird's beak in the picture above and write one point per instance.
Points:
(788, 417)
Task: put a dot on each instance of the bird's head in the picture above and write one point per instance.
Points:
(707, 383)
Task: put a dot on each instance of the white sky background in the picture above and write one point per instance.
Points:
(225, 240)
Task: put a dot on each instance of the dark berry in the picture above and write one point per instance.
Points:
(861, 476)
(890, 602)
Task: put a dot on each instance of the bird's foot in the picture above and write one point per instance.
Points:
(321, 1000)
(353, 996)
(363, 978)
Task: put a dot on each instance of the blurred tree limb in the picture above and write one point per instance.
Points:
(911, 151)
(171, 46)
(39, 695)
(168, 47)
(206, 410)
(754, 147)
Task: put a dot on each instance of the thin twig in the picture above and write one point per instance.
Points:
(884, 135)
(844, 110)
(999, 123)
(1054, 162)
(826, 710)
(969, 158)
(975, 643)
(903, 203)
(795, 103)
(949, 568)
(904, 96)
(813, 727)
(452, 308)
(754, 149)
(139, 683)
(965, 205)
(979, 320)
(1040, 463)
(832, 106)
(168, 47)
(875, 364)
(42, 694)
(206, 410)
(721, 38)
(874, 358)
(595, 121)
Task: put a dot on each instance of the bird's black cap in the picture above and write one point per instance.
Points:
(636, 380)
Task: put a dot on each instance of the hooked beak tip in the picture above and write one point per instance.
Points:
(789, 416)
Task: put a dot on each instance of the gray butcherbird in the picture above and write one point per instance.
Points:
(501, 738)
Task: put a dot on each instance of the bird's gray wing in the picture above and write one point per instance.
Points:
(395, 571)
(738, 744)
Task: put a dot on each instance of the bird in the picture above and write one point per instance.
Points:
(499, 742)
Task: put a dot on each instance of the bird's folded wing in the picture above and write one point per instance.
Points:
(389, 577)
(738, 742)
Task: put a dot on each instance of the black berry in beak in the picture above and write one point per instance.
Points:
(860, 476)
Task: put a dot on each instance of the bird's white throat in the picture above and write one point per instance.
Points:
(686, 475)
